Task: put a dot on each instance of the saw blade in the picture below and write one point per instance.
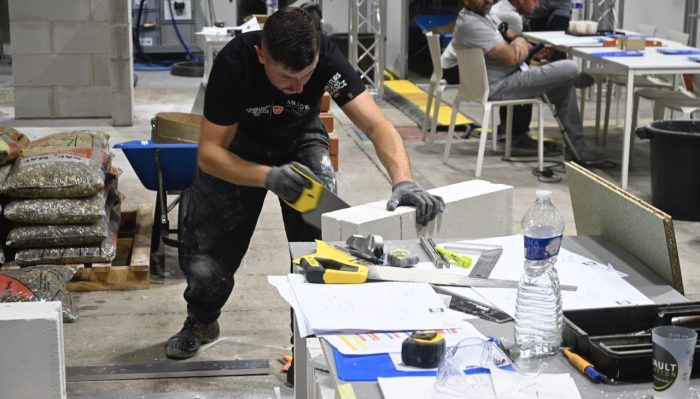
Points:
(328, 202)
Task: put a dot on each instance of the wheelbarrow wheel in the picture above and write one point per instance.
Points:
(181, 213)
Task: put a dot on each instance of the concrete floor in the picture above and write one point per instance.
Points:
(131, 327)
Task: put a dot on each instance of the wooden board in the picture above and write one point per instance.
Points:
(130, 269)
(603, 209)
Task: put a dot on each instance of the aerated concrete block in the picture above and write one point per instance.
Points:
(473, 209)
(84, 102)
(32, 363)
(99, 10)
(52, 70)
(33, 102)
(81, 38)
(30, 37)
(54, 10)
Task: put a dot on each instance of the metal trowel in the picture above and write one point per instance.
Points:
(315, 200)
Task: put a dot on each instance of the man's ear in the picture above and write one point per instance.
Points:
(260, 54)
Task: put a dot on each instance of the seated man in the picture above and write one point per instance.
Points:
(510, 78)
(513, 13)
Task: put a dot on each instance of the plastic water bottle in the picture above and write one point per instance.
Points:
(272, 6)
(577, 11)
(538, 309)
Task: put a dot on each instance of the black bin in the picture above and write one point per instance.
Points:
(675, 167)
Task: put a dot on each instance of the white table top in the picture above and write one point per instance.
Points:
(651, 60)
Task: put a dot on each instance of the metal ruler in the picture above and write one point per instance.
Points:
(469, 306)
(388, 273)
(166, 369)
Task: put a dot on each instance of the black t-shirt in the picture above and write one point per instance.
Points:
(238, 91)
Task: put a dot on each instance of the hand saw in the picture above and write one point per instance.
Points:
(315, 200)
(387, 273)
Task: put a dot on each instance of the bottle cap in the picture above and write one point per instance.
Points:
(543, 194)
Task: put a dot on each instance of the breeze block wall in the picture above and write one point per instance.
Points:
(72, 59)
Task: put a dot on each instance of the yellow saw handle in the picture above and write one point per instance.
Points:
(309, 198)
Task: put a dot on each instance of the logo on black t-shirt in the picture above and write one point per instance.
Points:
(336, 84)
(257, 111)
(277, 109)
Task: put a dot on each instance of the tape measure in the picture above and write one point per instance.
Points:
(424, 349)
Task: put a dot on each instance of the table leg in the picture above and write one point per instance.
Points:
(628, 128)
(300, 372)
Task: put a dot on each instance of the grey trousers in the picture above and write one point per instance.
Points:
(555, 79)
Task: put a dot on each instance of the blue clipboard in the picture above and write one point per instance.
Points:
(671, 51)
(371, 367)
(610, 54)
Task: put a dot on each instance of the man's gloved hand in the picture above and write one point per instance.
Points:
(286, 182)
(409, 193)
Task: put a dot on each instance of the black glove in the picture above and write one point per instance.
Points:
(286, 182)
(409, 193)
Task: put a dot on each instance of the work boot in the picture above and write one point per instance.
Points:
(194, 334)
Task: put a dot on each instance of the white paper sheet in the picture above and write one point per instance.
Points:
(545, 386)
(508, 386)
(410, 387)
(329, 308)
(598, 285)
(284, 288)
(390, 342)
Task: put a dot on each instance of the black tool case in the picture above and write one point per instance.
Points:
(617, 341)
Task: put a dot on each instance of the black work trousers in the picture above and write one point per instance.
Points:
(220, 217)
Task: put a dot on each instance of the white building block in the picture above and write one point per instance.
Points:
(120, 45)
(30, 37)
(55, 10)
(99, 10)
(32, 363)
(101, 70)
(81, 37)
(122, 109)
(119, 12)
(473, 209)
(52, 70)
(33, 102)
(88, 101)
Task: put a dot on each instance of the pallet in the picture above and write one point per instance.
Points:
(130, 269)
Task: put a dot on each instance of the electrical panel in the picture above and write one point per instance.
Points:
(157, 31)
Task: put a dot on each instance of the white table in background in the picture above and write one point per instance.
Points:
(651, 63)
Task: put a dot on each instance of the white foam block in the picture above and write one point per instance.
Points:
(32, 363)
(473, 209)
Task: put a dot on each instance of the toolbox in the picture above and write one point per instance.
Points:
(617, 341)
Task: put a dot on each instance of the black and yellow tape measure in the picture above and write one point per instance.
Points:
(423, 349)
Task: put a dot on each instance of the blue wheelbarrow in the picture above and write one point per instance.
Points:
(166, 169)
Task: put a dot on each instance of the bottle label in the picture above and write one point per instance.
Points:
(542, 248)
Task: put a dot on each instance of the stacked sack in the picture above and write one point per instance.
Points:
(11, 144)
(63, 200)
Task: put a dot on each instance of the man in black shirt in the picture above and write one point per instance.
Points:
(261, 114)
